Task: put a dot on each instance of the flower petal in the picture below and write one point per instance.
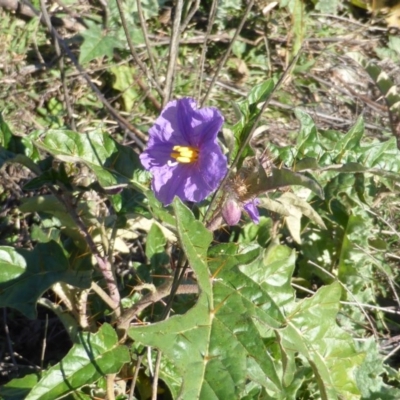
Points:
(212, 167)
(252, 210)
(169, 182)
(156, 156)
(198, 126)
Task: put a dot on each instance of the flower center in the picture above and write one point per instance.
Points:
(185, 154)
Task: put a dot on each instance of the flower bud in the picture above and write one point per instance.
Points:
(231, 211)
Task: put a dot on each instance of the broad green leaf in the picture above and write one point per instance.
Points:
(312, 330)
(212, 344)
(111, 162)
(184, 339)
(26, 275)
(98, 354)
(96, 43)
(308, 139)
(355, 267)
(155, 241)
(18, 388)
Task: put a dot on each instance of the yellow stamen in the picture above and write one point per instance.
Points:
(185, 154)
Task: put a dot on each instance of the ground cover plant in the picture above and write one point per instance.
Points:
(199, 200)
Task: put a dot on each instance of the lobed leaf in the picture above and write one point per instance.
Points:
(98, 354)
(26, 275)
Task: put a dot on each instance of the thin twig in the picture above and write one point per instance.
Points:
(395, 350)
(44, 344)
(228, 51)
(82, 309)
(135, 376)
(60, 64)
(143, 25)
(155, 377)
(191, 12)
(9, 341)
(173, 53)
(135, 56)
(123, 123)
(164, 290)
(211, 18)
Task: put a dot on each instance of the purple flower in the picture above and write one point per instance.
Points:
(183, 154)
(252, 210)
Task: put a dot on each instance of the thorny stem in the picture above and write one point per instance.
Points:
(217, 194)
(161, 291)
(103, 265)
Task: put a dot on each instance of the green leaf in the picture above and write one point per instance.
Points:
(26, 275)
(96, 43)
(312, 330)
(250, 110)
(351, 140)
(327, 6)
(10, 157)
(18, 389)
(259, 94)
(212, 343)
(371, 373)
(98, 354)
(183, 339)
(282, 177)
(6, 135)
(308, 140)
(155, 246)
(125, 83)
(111, 162)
